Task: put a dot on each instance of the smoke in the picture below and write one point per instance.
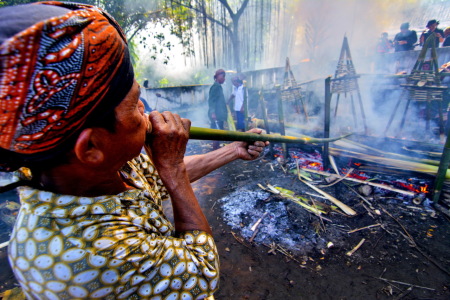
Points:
(318, 28)
(313, 31)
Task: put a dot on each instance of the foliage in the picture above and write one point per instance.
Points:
(164, 82)
(133, 17)
(15, 2)
(206, 16)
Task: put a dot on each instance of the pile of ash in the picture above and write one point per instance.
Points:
(285, 223)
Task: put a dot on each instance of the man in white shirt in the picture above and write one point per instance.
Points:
(238, 95)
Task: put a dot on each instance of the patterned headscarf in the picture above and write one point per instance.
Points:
(55, 73)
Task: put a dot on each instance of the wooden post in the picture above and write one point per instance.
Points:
(246, 120)
(442, 170)
(281, 120)
(262, 104)
(326, 131)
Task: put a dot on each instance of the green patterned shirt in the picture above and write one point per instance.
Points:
(109, 247)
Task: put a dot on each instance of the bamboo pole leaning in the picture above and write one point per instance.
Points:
(199, 133)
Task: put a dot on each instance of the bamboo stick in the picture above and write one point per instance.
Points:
(391, 163)
(199, 133)
(350, 253)
(246, 125)
(281, 117)
(442, 170)
(383, 186)
(276, 191)
(349, 144)
(255, 226)
(345, 208)
(326, 129)
(3, 245)
(262, 104)
(362, 228)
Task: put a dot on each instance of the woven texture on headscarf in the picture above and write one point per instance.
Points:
(55, 73)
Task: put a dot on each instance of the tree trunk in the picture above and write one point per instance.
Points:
(236, 45)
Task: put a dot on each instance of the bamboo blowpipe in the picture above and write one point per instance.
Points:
(199, 133)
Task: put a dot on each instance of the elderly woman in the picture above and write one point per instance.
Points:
(91, 223)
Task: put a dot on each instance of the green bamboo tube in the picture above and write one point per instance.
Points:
(199, 133)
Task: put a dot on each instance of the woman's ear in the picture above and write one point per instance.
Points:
(87, 148)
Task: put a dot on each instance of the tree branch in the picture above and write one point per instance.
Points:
(212, 19)
(227, 6)
(243, 7)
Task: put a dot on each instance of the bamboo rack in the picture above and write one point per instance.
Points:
(199, 133)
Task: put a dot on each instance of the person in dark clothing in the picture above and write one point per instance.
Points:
(432, 28)
(446, 42)
(217, 111)
(405, 39)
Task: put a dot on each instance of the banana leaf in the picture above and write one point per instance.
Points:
(199, 133)
(345, 208)
(230, 120)
(290, 195)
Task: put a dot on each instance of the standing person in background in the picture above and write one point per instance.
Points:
(217, 107)
(384, 43)
(238, 96)
(446, 42)
(432, 28)
(405, 39)
(91, 223)
(384, 46)
(143, 97)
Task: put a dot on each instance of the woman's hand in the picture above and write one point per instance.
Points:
(166, 142)
(250, 151)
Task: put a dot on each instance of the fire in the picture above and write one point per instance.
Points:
(359, 176)
(412, 187)
(424, 189)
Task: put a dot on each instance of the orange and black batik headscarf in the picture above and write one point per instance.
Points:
(57, 72)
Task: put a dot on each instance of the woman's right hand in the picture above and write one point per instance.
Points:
(166, 143)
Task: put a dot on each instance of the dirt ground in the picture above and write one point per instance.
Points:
(386, 266)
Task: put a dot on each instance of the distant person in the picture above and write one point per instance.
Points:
(432, 28)
(217, 107)
(238, 96)
(384, 43)
(147, 107)
(143, 96)
(405, 39)
(446, 42)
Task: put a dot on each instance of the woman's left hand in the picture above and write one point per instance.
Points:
(250, 151)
